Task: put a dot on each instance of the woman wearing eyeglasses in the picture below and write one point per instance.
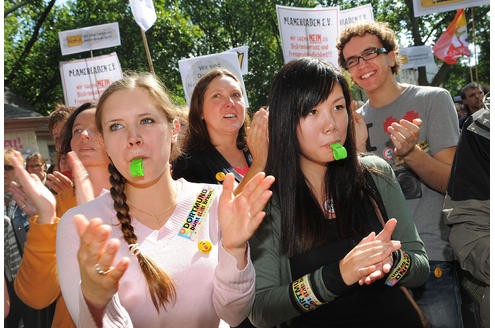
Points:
(415, 129)
(35, 164)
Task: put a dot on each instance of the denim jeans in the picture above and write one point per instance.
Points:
(440, 298)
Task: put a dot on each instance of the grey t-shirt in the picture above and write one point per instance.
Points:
(434, 106)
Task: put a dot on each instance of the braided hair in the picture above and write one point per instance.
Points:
(160, 285)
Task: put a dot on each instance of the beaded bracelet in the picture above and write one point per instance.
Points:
(400, 269)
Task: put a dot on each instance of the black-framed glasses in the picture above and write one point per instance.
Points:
(366, 55)
(8, 167)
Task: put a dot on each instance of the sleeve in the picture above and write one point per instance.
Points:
(42, 288)
(272, 304)
(233, 289)
(470, 235)
(277, 296)
(115, 315)
(405, 231)
(70, 278)
(442, 124)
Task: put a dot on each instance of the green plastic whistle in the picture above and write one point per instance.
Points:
(137, 169)
(339, 151)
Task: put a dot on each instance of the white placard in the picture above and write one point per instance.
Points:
(414, 57)
(192, 69)
(89, 38)
(309, 32)
(242, 54)
(425, 7)
(355, 14)
(84, 80)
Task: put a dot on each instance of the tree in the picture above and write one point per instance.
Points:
(187, 28)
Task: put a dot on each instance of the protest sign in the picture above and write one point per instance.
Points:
(425, 7)
(355, 14)
(242, 55)
(309, 32)
(413, 57)
(84, 80)
(89, 38)
(192, 69)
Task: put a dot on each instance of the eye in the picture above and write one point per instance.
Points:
(115, 126)
(339, 107)
(147, 121)
(237, 94)
(76, 131)
(313, 112)
(351, 61)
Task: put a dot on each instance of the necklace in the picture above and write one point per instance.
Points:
(160, 216)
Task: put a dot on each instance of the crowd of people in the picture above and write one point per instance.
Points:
(317, 209)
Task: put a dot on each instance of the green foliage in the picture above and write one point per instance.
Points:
(189, 28)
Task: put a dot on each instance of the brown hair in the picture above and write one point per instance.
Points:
(160, 285)
(60, 114)
(196, 135)
(381, 30)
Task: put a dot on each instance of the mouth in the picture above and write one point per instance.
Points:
(230, 116)
(367, 75)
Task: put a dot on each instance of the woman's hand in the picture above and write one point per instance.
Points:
(82, 182)
(361, 131)
(364, 263)
(34, 193)
(381, 269)
(257, 138)
(99, 279)
(239, 216)
(58, 182)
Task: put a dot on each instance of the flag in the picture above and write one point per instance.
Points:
(453, 43)
(144, 13)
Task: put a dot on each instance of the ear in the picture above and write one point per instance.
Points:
(176, 130)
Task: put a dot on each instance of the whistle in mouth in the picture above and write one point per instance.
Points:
(339, 151)
(137, 169)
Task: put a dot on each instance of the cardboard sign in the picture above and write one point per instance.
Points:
(84, 80)
(413, 57)
(309, 32)
(356, 14)
(425, 7)
(192, 69)
(89, 38)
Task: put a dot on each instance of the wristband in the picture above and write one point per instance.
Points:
(400, 269)
(304, 295)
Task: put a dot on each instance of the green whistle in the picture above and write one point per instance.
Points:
(339, 151)
(137, 169)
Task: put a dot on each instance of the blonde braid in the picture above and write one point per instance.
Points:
(160, 285)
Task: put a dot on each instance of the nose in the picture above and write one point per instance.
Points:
(330, 125)
(85, 134)
(134, 139)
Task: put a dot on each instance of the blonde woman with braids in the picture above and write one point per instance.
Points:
(161, 252)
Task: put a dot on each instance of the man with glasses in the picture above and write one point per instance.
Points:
(415, 129)
(35, 164)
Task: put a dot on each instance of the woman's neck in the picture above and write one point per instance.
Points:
(100, 178)
(156, 196)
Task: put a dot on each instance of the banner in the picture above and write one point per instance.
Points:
(84, 80)
(413, 57)
(453, 43)
(425, 7)
(89, 38)
(192, 69)
(356, 14)
(144, 13)
(242, 54)
(309, 32)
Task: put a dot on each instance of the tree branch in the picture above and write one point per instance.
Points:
(14, 8)
(17, 66)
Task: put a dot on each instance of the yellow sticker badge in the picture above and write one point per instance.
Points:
(204, 246)
(220, 176)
